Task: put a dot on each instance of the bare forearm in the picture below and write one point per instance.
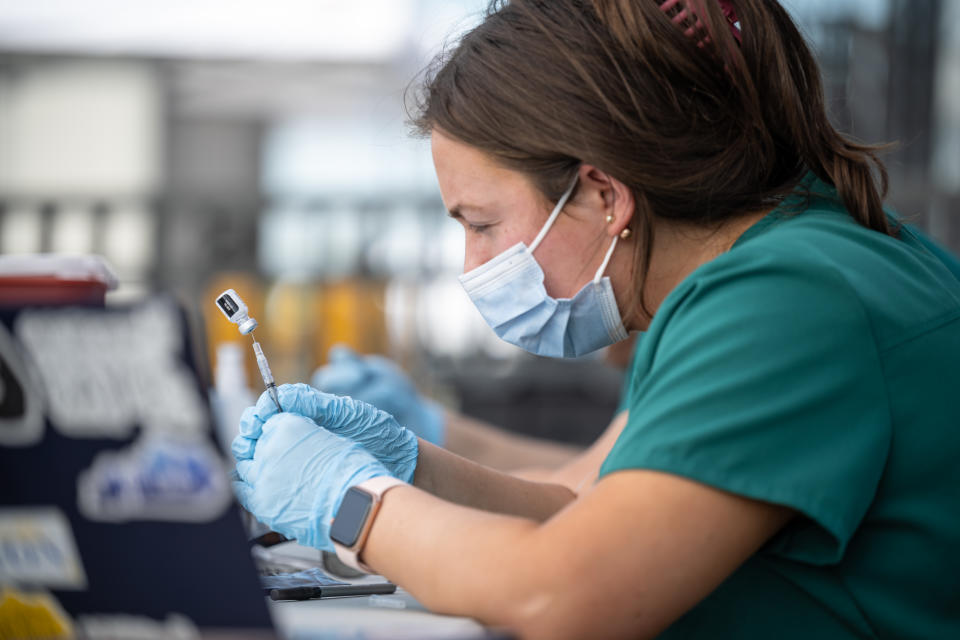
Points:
(450, 477)
(531, 459)
(534, 494)
(623, 561)
(500, 449)
(447, 554)
(581, 471)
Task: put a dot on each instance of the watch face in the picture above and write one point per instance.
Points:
(351, 517)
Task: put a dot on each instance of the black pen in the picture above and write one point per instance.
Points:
(296, 593)
(330, 591)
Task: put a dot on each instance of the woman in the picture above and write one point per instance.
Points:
(787, 467)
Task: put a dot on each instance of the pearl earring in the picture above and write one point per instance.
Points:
(610, 218)
(626, 233)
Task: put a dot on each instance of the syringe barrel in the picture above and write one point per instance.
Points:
(262, 364)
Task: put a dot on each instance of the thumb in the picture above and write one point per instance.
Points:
(298, 398)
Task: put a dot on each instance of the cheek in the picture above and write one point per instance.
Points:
(480, 248)
(477, 250)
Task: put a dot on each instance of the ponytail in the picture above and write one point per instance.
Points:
(779, 63)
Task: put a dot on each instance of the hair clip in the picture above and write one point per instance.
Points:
(681, 15)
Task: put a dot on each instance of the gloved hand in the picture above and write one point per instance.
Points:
(395, 447)
(380, 382)
(297, 476)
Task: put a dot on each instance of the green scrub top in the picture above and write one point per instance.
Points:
(815, 365)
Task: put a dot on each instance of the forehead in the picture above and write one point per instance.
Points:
(468, 175)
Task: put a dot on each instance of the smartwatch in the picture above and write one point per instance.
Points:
(354, 518)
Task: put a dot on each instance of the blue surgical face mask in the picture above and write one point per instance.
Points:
(508, 290)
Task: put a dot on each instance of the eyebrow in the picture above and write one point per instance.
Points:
(456, 211)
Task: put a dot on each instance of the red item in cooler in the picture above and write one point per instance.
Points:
(49, 279)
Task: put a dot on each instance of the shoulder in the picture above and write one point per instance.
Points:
(786, 287)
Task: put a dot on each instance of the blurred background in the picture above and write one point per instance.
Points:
(206, 144)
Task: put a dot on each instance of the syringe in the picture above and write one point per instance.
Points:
(265, 373)
(234, 308)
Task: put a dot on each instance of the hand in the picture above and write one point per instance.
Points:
(380, 382)
(297, 476)
(395, 447)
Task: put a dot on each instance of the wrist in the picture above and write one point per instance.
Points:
(401, 455)
(423, 472)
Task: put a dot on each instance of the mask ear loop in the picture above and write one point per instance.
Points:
(553, 215)
(606, 260)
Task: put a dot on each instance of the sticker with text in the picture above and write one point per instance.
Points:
(156, 478)
(26, 615)
(106, 372)
(21, 413)
(37, 548)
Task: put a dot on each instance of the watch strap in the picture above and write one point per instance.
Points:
(379, 485)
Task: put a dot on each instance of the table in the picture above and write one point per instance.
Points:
(395, 617)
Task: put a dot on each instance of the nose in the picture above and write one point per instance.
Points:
(474, 255)
(470, 262)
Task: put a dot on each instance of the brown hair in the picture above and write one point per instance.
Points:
(701, 129)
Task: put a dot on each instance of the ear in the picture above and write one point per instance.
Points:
(609, 195)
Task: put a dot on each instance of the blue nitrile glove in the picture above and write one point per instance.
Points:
(377, 431)
(380, 382)
(298, 475)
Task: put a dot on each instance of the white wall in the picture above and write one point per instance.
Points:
(80, 128)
